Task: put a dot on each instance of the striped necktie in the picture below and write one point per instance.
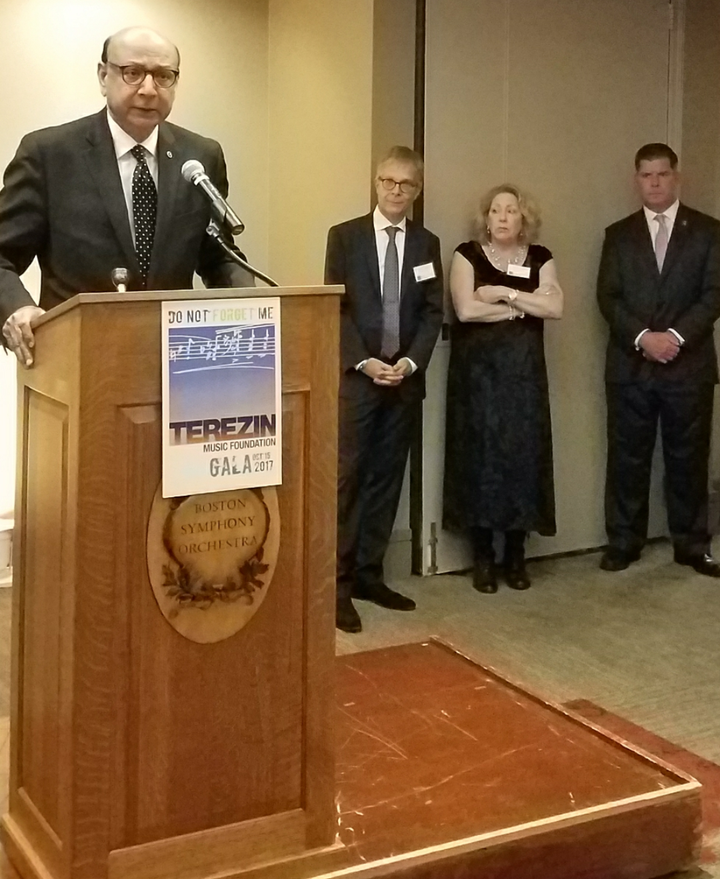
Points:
(661, 240)
(391, 297)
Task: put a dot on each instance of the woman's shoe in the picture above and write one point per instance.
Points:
(516, 576)
(514, 561)
(484, 578)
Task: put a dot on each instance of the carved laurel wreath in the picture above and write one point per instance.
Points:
(190, 590)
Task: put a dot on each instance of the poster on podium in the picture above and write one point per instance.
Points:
(222, 426)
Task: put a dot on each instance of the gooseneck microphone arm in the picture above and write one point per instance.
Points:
(194, 172)
(225, 217)
(213, 230)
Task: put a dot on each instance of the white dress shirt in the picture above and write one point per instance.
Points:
(382, 239)
(670, 215)
(123, 143)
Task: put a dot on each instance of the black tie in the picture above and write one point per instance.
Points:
(144, 202)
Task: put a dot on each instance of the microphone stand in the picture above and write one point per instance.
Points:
(213, 230)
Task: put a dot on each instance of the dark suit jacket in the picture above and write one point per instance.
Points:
(351, 259)
(633, 295)
(63, 202)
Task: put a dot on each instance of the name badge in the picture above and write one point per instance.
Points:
(518, 271)
(425, 272)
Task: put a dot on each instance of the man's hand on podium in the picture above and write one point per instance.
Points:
(18, 332)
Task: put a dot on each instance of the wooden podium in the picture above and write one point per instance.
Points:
(137, 753)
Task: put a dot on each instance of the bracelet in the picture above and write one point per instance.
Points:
(513, 295)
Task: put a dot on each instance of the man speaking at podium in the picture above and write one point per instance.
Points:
(107, 192)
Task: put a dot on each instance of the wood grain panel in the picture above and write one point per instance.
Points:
(45, 528)
(214, 730)
(45, 498)
(199, 855)
(640, 844)
(100, 499)
(154, 738)
(320, 510)
(138, 448)
(22, 853)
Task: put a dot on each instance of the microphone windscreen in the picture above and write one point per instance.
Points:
(192, 169)
(119, 276)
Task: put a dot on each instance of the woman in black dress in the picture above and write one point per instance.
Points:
(498, 453)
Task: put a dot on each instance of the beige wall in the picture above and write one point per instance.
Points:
(296, 90)
(393, 95)
(700, 154)
(51, 49)
(393, 122)
(700, 157)
(285, 85)
(555, 97)
(320, 123)
(50, 52)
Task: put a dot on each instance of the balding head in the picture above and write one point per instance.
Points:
(131, 33)
(137, 76)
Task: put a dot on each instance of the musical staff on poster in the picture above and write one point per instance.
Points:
(221, 403)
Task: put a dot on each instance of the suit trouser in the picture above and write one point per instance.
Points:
(375, 430)
(684, 411)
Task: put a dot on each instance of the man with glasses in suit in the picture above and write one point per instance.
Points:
(106, 192)
(390, 318)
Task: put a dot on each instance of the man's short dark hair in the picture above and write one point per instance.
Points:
(652, 151)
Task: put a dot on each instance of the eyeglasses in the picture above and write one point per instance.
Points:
(134, 74)
(406, 186)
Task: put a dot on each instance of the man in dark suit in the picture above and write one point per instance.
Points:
(390, 318)
(659, 290)
(106, 192)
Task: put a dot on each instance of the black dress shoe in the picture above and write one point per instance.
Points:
(703, 564)
(484, 577)
(380, 594)
(347, 619)
(617, 559)
(517, 577)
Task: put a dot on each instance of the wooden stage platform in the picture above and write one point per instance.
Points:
(447, 771)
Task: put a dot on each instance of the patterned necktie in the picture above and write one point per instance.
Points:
(661, 240)
(391, 297)
(144, 203)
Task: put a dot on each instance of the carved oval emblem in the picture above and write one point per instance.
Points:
(211, 558)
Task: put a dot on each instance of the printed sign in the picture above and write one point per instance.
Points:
(222, 410)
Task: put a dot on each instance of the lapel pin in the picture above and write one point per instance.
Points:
(169, 154)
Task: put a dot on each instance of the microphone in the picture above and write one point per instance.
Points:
(120, 278)
(194, 172)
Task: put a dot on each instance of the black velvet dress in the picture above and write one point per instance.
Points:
(498, 452)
